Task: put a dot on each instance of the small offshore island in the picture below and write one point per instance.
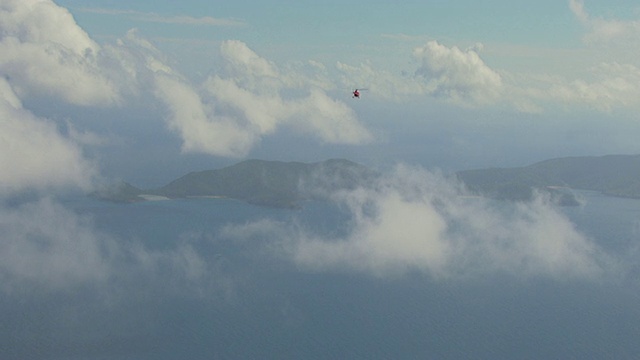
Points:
(612, 175)
(288, 184)
(269, 183)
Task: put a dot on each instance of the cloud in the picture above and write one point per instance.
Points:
(383, 84)
(603, 87)
(235, 109)
(33, 154)
(390, 234)
(330, 120)
(457, 75)
(189, 20)
(8, 95)
(316, 114)
(257, 86)
(43, 51)
(606, 30)
(614, 85)
(232, 110)
(245, 63)
(181, 264)
(153, 17)
(416, 221)
(46, 245)
(462, 77)
(577, 7)
(447, 73)
(200, 129)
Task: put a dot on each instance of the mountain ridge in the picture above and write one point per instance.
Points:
(614, 175)
(288, 184)
(261, 182)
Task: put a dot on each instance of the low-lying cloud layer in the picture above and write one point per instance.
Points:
(44, 244)
(413, 220)
(409, 221)
(46, 248)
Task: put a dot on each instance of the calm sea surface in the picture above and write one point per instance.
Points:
(243, 302)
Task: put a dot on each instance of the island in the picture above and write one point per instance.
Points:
(270, 183)
(289, 184)
(613, 175)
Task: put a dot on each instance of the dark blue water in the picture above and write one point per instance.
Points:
(251, 303)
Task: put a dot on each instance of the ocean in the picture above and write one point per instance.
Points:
(209, 279)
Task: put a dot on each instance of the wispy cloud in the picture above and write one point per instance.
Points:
(46, 246)
(157, 18)
(603, 30)
(49, 246)
(447, 73)
(462, 77)
(406, 37)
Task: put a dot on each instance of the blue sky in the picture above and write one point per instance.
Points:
(332, 30)
(147, 90)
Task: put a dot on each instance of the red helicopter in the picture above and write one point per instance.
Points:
(356, 93)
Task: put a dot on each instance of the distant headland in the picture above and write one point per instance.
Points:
(613, 175)
(288, 184)
(261, 182)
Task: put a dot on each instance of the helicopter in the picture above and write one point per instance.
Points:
(356, 93)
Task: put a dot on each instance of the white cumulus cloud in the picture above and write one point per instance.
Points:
(233, 110)
(44, 51)
(200, 128)
(458, 75)
(33, 153)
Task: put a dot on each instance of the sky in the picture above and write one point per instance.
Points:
(146, 91)
(93, 92)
